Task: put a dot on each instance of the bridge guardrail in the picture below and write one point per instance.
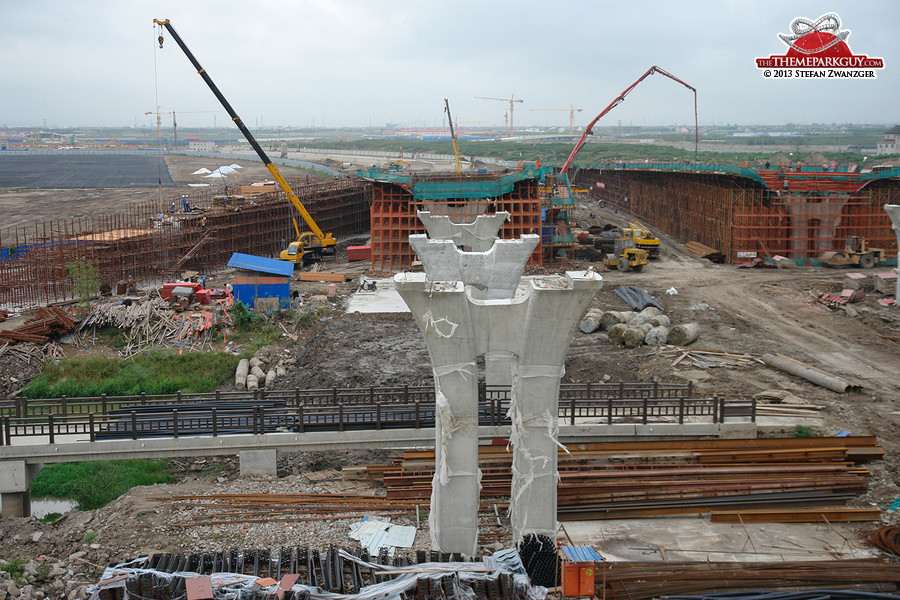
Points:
(340, 410)
(64, 406)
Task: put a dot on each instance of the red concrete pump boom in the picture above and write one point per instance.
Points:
(621, 98)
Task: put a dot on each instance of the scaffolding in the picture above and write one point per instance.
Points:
(143, 244)
(396, 198)
(745, 213)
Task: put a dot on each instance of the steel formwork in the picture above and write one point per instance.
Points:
(396, 200)
(143, 243)
(794, 214)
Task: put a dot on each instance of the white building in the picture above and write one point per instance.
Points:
(891, 142)
(202, 146)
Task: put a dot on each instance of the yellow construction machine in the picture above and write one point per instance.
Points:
(308, 246)
(856, 252)
(626, 257)
(643, 238)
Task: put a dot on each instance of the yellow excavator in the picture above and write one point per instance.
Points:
(309, 246)
(643, 238)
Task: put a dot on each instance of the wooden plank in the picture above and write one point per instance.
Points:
(307, 276)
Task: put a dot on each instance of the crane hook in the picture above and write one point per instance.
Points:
(161, 39)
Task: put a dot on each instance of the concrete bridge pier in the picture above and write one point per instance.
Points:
(15, 487)
(893, 211)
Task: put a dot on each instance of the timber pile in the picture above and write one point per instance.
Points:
(707, 359)
(643, 580)
(152, 322)
(637, 479)
(47, 322)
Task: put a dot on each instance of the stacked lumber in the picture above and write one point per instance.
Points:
(637, 479)
(706, 358)
(642, 580)
(47, 322)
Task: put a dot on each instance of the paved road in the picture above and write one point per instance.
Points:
(83, 171)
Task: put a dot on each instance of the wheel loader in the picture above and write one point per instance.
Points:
(856, 252)
(626, 257)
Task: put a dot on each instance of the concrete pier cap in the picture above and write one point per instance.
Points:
(477, 235)
(492, 273)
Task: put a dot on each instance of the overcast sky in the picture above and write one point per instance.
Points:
(365, 62)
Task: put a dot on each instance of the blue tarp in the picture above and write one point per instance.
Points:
(580, 553)
(249, 262)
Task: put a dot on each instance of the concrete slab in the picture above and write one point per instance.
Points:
(696, 538)
(258, 463)
(384, 299)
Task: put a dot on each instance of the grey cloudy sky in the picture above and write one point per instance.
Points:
(364, 62)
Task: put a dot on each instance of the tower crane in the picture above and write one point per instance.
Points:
(159, 114)
(512, 100)
(571, 110)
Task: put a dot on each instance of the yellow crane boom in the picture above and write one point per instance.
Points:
(314, 242)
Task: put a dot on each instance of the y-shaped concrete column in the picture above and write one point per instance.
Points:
(477, 236)
(497, 274)
(893, 211)
(535, 325)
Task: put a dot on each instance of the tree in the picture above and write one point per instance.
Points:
(87, 282)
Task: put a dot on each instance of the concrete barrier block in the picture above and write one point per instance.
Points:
(258, 463)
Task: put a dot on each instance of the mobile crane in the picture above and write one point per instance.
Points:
(453, 136)
(309, 246)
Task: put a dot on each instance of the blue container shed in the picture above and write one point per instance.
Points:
(259, 277)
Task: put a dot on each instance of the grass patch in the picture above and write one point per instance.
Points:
(15, 567)
(157, 372)
(807, 431)
(95, 484)
(50, 517)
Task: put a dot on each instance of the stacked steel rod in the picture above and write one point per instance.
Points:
(634, 479)
(642, 580)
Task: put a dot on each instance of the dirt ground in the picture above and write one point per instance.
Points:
(739, 310)
(27, 206)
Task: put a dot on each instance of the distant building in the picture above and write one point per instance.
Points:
(202, 146)
(891, 142)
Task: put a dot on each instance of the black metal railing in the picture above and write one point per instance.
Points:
(336, 409)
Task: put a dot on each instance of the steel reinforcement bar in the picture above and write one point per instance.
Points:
(147, 242)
